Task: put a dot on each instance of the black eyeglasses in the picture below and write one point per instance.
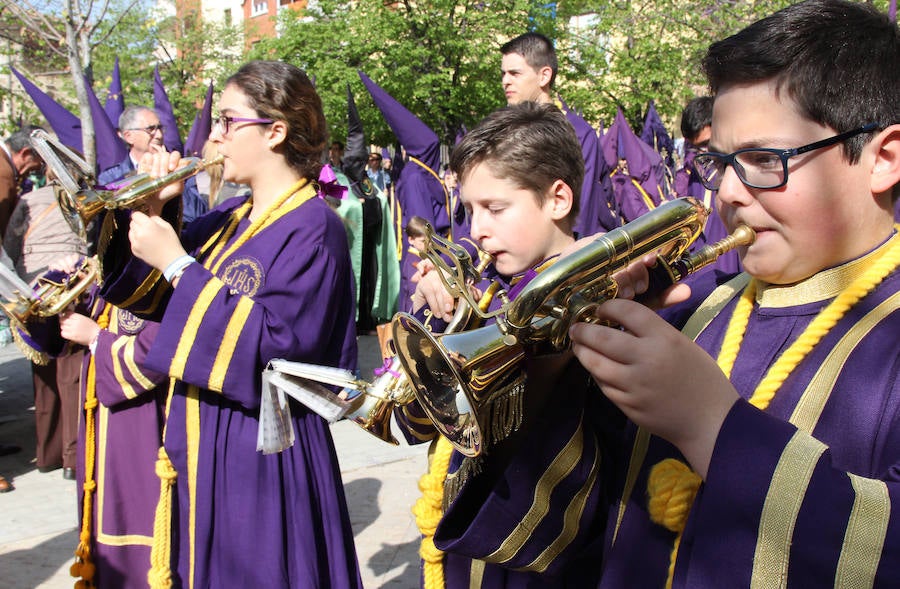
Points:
(225, 121)
(150, 130)
(760, 167)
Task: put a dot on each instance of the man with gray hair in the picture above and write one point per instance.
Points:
(140, 129)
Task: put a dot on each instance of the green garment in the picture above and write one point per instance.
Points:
(350, 211)
(387, 285)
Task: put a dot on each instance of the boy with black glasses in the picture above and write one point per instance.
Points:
(765, 452)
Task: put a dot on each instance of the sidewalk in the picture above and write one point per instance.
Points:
(38, 532)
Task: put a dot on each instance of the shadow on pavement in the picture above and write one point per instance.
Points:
(28, 568)
(16, 414)
(394, 556)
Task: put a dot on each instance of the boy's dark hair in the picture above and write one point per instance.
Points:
(530, 144)
(696, 115)
(838, 60)
(537, 50)
(415, 227)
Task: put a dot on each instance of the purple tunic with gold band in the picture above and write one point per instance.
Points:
(127, 431)
(279, 287)
(803, 479)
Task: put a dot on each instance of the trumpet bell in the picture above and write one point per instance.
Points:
(390, 389)
(374, 415)
(455, 376)
(79, 209)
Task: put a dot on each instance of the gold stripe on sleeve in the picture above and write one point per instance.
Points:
(192, 326)
(124, 385)
(476, 574)
(638, 453)
(131, 364)
(229, 343)
(779, 515)
(866, 531)
(192, 427)
(162, 288)
(559, 469)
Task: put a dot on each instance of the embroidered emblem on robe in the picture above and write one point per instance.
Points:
(244, 276)
(127, 323)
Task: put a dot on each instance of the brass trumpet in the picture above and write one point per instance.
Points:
(375, 403)
(80, 201)
(81, 207)
(471, 383)
(52, 292)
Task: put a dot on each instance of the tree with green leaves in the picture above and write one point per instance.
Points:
(441, 58)
(70, 29)
(188, 51)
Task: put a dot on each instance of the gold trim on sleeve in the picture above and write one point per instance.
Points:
(779, 515)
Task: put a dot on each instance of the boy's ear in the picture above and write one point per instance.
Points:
(562, 198)
(886, 171)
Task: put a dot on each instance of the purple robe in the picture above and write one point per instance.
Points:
(816, 507)
(595, 213)
(240, 518)
(128, 423)
(418, 193)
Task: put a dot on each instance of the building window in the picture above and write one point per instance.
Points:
(260, 7)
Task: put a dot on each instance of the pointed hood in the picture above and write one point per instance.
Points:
(115, 100)
(622, 143)
(201, 128)
(656, 136)
(645, 166)
(356, 154)
(65, 125)
(419, 141)
(171, 137)
(110, 148)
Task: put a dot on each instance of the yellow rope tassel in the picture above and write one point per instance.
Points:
(672, 486)
(83, 568)
(160, 574)
(428, 510)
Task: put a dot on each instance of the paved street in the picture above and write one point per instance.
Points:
(38, 526)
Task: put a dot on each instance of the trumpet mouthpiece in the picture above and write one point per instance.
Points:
(743, 235)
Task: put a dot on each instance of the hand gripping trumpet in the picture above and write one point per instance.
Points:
(80, 201)
(471, 383)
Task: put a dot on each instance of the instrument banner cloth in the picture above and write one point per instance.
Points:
(283, 377)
